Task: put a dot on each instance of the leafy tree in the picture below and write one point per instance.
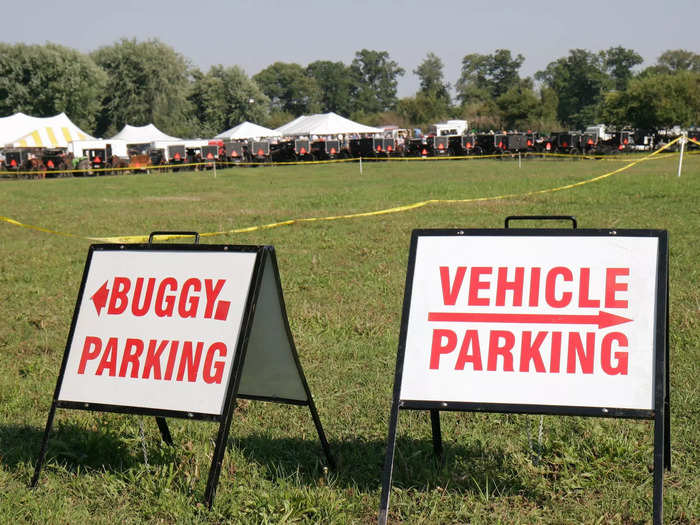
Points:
(43, 81)
(482, 115)
(519, 106)
(579, 82)
(432, 84)
(147, 82)
(289, 88)
(432, 101)
(618, 63)
(675, 60)
(422, 109)
(377, 78)
(225, 97)
(488, 76)
(473, 86)
(277, 118)
(337, 86)
(656, 101)
(545, 118)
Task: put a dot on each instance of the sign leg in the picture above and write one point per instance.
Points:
(659, 456)
(667, 433)
(388, 464)
(667, 396)
(321, 434)
(437, 434)
(217, 459)
(164, 430)
(44, 446)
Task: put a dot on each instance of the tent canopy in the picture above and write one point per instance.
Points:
(20, 130)
(284, 128)
(142, 134)
(324, 124)
(246, 130)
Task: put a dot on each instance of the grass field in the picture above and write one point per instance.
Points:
(343, 283)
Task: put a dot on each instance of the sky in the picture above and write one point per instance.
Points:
(254, 35)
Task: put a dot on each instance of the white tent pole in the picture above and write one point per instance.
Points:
(684, 139)
(360, 165)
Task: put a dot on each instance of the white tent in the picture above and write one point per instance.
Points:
(20, 130)
(246, 130)
(284, 128)
(142, 134)
(324, 124)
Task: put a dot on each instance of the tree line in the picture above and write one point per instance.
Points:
(139, 82)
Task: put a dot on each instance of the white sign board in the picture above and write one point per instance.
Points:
(158, 329)
(532, 320)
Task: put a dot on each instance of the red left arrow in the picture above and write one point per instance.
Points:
(602, 319)
(99, 298)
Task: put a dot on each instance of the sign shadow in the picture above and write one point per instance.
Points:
(72, 446)
(471, 468)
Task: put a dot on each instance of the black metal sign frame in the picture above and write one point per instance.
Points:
(660, 413)
(263, 254)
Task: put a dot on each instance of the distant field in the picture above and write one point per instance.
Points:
(343, 284)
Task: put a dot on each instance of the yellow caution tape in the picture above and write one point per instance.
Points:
(38, 228)
(144, 238)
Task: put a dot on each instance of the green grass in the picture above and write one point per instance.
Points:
(343, 284)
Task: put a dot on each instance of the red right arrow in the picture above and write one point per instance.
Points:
(99, 298)
(602, 319)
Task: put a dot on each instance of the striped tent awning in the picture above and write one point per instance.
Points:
(51, 137)
(20, 130)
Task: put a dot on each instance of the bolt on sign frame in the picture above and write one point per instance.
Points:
(629, 264)
(248, 334)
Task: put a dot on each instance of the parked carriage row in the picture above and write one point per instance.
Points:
(591, 142)
(100, 157)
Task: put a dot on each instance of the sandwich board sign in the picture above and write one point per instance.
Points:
(180, 330)
(535, 321)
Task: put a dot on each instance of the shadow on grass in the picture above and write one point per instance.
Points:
(466, 468)
(471, 468)
(70, 445)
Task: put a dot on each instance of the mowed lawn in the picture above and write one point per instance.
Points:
(343, 284)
